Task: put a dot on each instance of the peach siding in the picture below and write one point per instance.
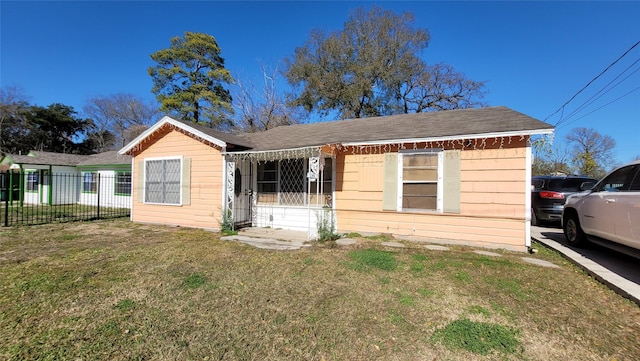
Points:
(204, 210)
(492, 199)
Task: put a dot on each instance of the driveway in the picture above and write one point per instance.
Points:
(620, 272)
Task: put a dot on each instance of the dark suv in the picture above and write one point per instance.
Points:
(549, 193)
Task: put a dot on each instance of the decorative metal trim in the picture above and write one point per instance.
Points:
(267, 155)
(230, 186)
(314, 168)
(254, 209)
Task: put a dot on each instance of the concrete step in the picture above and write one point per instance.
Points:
(273, 233)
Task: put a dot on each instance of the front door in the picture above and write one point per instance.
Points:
(242, 191)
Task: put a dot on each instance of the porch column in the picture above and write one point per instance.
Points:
(314, 174)
(229, 188)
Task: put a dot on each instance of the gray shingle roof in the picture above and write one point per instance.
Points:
(239, 140)
(450, 123)
(106, 158)
(51, 158)
(48, 158)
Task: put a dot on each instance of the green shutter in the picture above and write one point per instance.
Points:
(451, 181)
(140, 182)
(186, 181)
(390, 186)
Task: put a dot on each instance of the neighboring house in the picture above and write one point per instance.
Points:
(461, 176)
(56, 178)
(106, 179)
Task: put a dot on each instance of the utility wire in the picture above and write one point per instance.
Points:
(614, 100)
(592, 80)
(598, 94)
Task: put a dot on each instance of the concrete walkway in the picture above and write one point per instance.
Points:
(623, 286)
(269, 238)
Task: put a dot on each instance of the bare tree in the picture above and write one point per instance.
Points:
(116, 113)
(438, 87)
(550, 157)
(12, 117)
(373, 67)
(592, 152)
(263, 109)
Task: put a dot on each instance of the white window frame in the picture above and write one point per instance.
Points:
(116, 183)
(144, 185)
(93, 181)
(440, 188)
(32, 181)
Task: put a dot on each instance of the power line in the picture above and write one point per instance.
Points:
(592, 80)
(614, 100)
(598, 94)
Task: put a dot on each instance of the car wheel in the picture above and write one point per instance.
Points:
(534, 218)
(573, 232)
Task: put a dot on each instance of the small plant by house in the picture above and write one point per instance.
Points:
(326, 228)
(226, 225)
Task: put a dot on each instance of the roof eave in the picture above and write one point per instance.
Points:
(452, 137)
(168, 120)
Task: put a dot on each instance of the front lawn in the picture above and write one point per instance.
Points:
(114, 290)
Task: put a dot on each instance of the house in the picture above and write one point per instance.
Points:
(458, 176)
(106, 179)
(56, 178)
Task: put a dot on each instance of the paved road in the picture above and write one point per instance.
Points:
(619, 271)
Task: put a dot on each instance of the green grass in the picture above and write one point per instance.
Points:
(373, 258)
(478, 337)
(125, 305)
(194, 280)
(114, 290)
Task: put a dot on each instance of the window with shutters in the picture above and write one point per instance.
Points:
(162, 181)
(420, 181)
(427, 180)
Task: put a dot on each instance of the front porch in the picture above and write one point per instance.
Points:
(281, 190)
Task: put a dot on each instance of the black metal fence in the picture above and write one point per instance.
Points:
(39, 197)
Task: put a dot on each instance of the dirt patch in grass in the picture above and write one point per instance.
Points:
(113, 290)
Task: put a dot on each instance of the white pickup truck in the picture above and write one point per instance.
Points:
(607, 214)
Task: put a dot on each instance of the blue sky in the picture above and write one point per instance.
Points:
(534, 55)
